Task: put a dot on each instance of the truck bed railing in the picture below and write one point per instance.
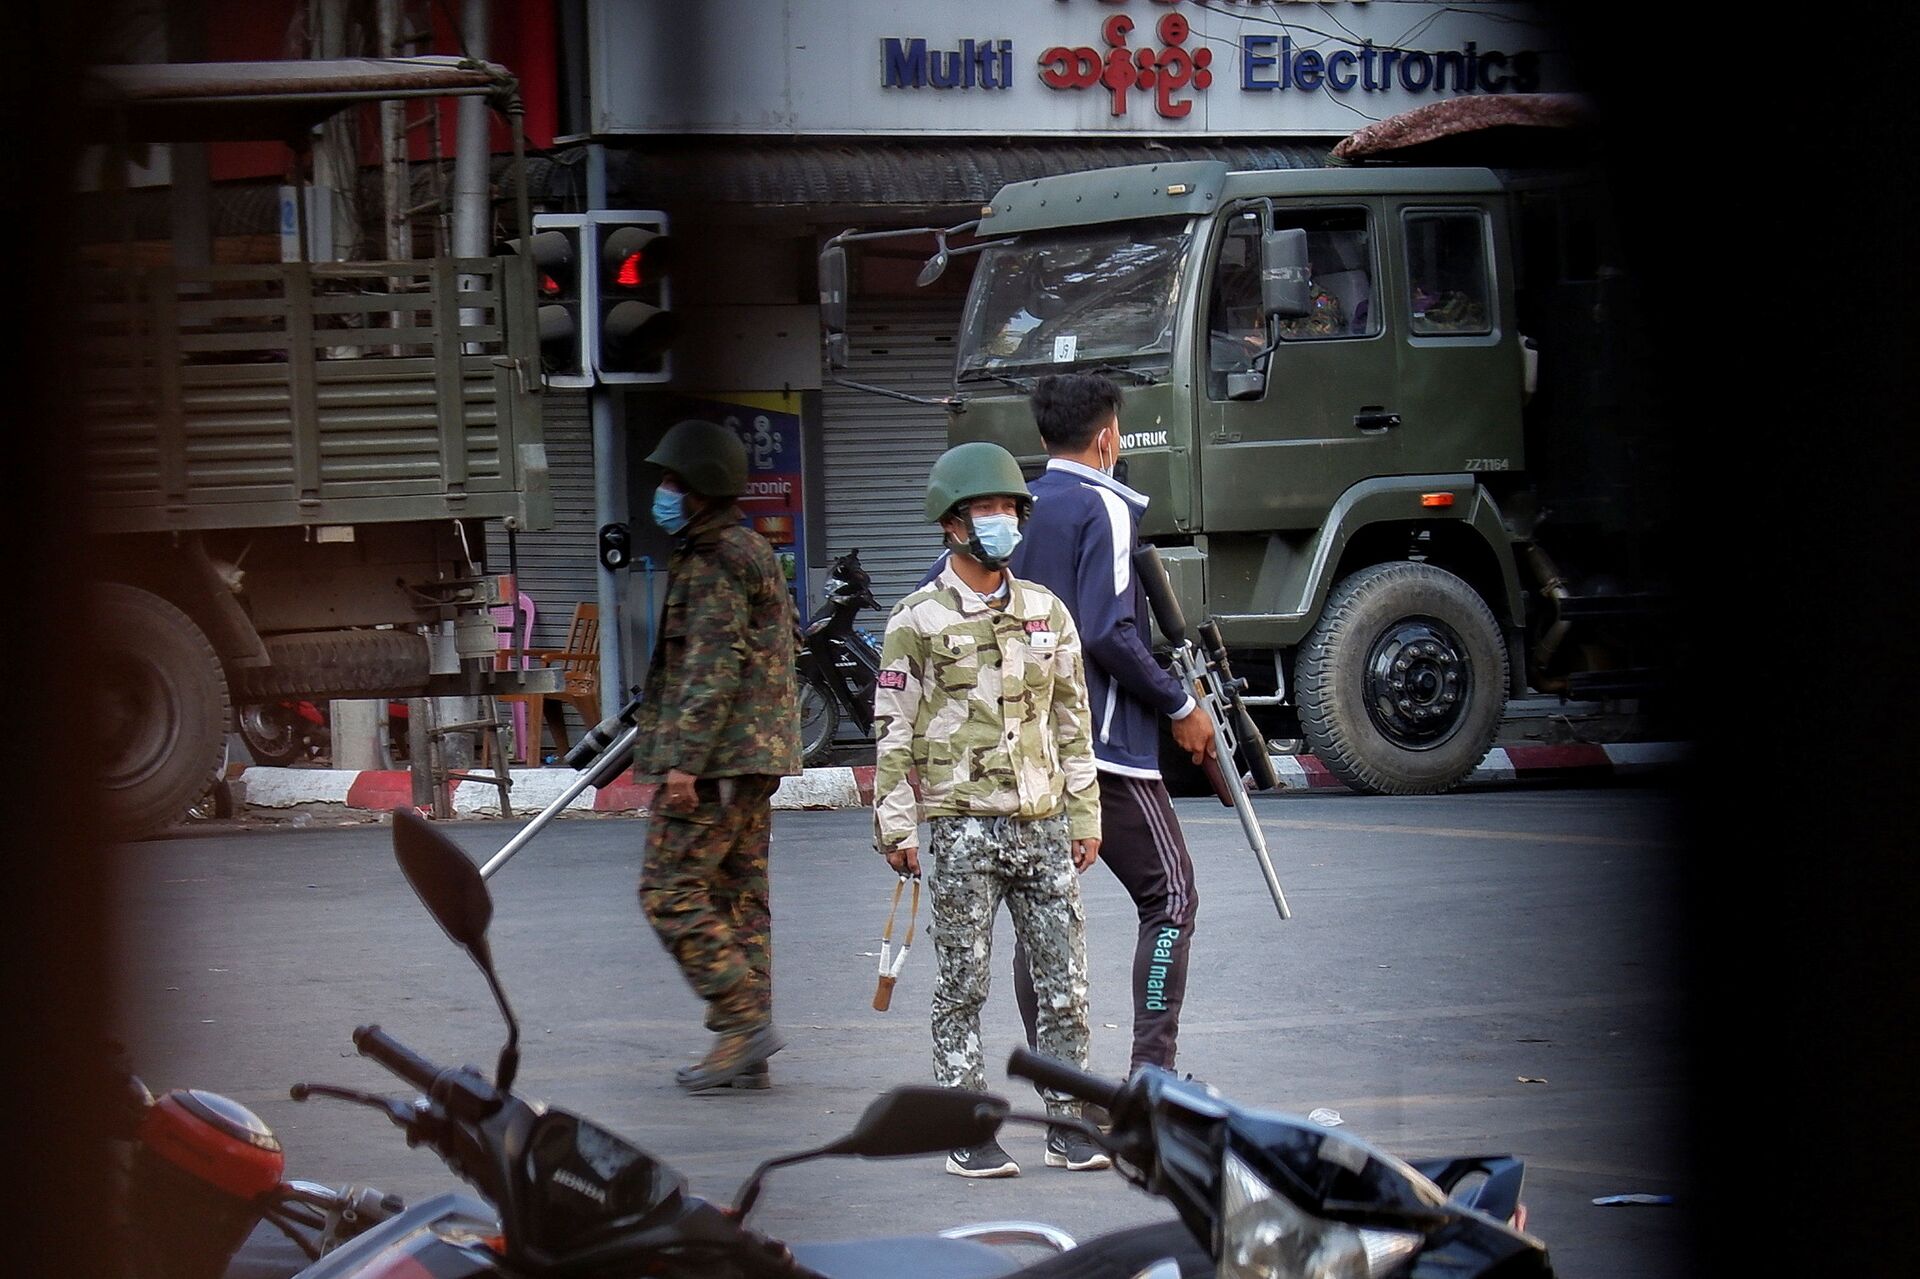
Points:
(308, 391)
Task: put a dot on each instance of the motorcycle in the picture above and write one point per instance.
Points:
(1259, 1195)
(1275, 1196)
(294, 730)
(200, 1192)
(838, 662)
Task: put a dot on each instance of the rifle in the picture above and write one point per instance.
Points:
(1237, 741)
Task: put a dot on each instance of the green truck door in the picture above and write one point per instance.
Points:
(1459, 356)
(1329, 415)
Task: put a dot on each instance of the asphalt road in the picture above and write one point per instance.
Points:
(1476, 973)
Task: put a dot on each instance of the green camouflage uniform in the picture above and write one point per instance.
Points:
(720, 704)
(988, 707)
(1325, 320)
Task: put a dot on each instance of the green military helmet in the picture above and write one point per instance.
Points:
(708, 458)
(979, 469)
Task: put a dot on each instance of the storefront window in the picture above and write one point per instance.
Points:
(1075, 297)
(1447, 272)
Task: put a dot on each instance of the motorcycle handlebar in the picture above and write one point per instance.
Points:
(1057, 1075)
(395, 1056)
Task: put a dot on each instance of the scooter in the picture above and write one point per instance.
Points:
(295, 730)
(1276, 1196)
(200, 1191)
(838, 661)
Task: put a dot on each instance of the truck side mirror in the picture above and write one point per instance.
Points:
(833, 303)
(1283, 275)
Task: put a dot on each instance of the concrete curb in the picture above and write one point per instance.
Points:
(852, 787)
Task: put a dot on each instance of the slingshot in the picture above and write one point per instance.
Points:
(890, 971)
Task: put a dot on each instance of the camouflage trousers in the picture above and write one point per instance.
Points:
(978, 862)
(703, 887)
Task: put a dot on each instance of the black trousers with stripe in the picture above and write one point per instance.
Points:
(1142, 845)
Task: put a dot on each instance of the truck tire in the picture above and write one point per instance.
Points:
(1402, 682)
(158, 710)
(329, 664)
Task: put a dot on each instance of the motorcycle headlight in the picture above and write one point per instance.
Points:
(1263, 1235)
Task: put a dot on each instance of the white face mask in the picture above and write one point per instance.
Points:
(1106, 467)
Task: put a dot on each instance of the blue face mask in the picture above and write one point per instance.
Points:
(996, 536)
(669, 509)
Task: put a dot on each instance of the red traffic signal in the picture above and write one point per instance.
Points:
(561, 313)
(635, 309)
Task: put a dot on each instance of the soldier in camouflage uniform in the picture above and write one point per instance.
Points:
(982, 696)
(720, 725)
(1327, 319)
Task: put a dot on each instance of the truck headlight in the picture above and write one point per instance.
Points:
(1263, 1235)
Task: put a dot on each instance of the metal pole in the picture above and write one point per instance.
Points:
(609, 484)
(604, 768)
(472, 194)
(472, 236)
(395, 189)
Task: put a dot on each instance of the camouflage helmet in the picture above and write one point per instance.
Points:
(979, 469)
(708, 458)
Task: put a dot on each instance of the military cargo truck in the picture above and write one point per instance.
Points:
(1393, 421)
(290, 466)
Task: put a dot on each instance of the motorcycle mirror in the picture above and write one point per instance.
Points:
(447, 883)
(455, 894)
(914, 1119)
(922, 1119)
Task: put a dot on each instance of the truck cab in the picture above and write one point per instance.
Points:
(1333, 400)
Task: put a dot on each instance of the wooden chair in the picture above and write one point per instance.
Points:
(579, 663)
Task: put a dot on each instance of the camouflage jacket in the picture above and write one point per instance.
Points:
(721, 700)
(989, 705)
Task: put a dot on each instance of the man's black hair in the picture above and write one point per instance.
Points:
(1070, 407)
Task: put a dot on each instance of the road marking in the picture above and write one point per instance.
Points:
(1440, 832)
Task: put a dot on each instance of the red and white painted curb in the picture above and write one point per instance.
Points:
(1515, 763)
(851, 787)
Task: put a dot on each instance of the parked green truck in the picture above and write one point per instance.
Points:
(1395, 423)
(291, 466)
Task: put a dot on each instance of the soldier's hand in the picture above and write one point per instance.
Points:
(680, 797)
(1193, 733)
(905, 859)
(1085, 853)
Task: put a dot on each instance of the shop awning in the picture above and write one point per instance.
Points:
(268, 101)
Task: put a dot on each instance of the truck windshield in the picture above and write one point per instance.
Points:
(1071, 297)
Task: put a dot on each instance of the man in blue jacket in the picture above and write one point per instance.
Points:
(1079, 545)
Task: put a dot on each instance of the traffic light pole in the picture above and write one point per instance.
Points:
(609, 490)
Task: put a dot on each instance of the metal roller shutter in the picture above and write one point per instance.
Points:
(878, 450)
(558, 565)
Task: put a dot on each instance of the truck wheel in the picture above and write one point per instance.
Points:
(819, 721)
(1402, 683)
(270, 733)
(158, 710)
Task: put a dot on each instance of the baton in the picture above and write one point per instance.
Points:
(890, 972)
(601, 756)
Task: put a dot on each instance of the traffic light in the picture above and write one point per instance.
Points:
(634, 303)
(562, 293)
